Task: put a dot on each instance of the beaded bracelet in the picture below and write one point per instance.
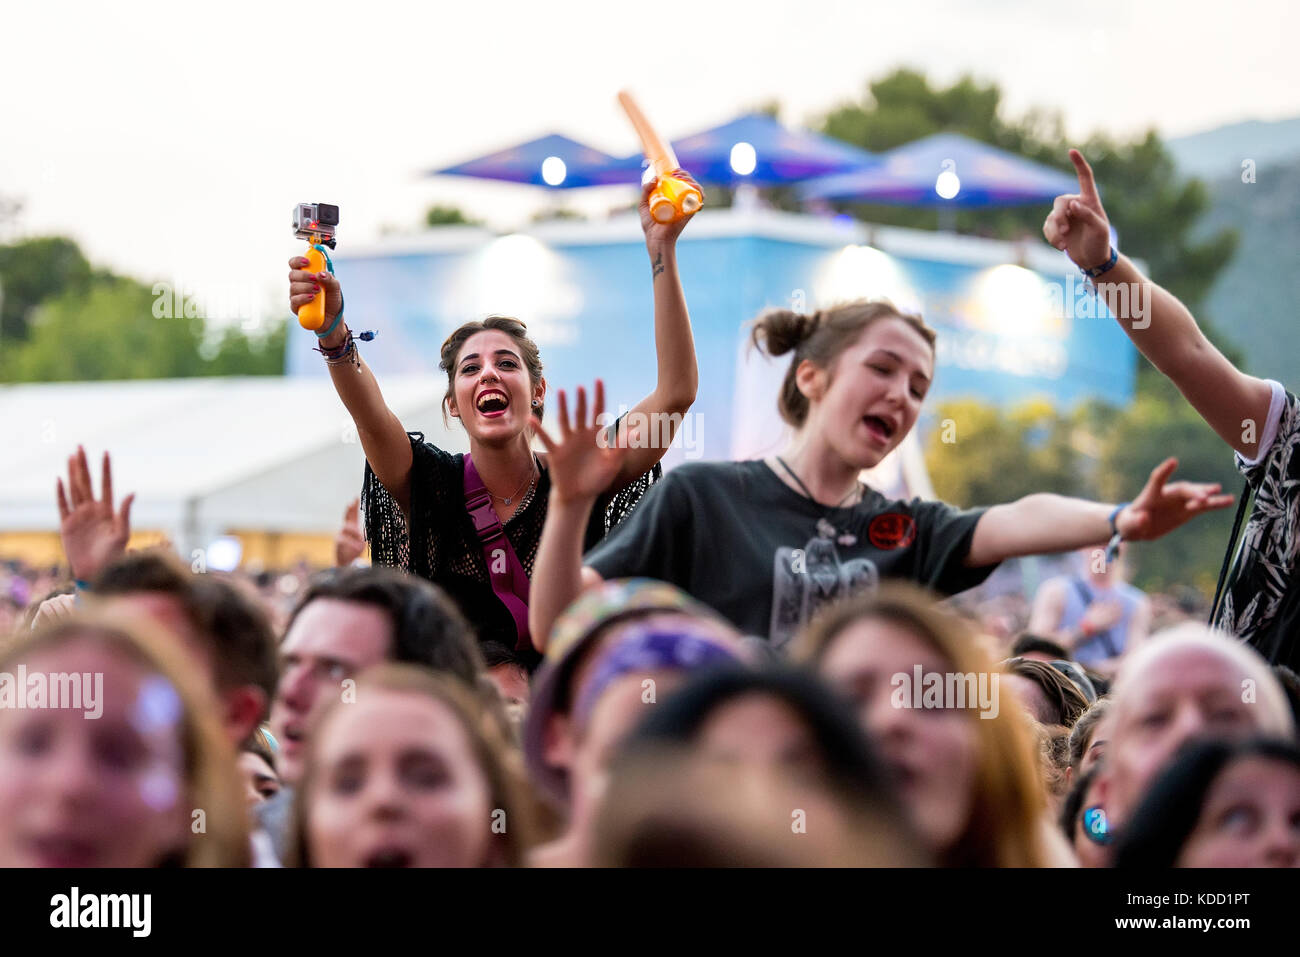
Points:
(347, 351)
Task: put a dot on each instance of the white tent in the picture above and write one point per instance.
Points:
(202, 455)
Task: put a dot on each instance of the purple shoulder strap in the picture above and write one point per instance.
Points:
(509, 581)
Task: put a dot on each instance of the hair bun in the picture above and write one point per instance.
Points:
(778, 331)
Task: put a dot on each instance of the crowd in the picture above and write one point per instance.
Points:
(563, 657)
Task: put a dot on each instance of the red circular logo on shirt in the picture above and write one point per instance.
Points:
(892, 530)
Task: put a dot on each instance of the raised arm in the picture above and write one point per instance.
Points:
(1045, 523)
(383, 439)
(678, 374)
(1234, 404)
(580, 469)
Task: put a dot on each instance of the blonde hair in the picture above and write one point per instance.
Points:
(212, 781)
(1008, 799)
(820, 337)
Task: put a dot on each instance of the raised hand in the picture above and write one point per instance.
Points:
(304, 285)
(349, 543)
(656, 233)
(93, 534)
(1077, 223)
(1161, 507)
(582, 462)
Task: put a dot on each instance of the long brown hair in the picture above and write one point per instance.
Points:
(515, 329)
(821, 337)
(501, 765)
(1005, 828)
(211, 779)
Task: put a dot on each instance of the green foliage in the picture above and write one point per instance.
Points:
(1095, 451)
(1135, 441)
(994, 457)
(32, 271)
(447, 216)
(108, 330)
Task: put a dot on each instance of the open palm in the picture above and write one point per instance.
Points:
(582, 462)
(1163, 506)
(93, 533)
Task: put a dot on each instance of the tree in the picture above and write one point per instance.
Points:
(34, 270)
(109, 331)
(1153, 210)
(447, 216)
(978, 455)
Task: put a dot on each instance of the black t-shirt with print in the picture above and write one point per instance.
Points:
(739, 539)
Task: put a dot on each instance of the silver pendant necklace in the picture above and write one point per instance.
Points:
(532, 478)
(824, 527)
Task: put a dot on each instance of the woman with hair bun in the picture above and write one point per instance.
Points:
(769, 541)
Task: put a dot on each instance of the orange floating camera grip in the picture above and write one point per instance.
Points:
(673, 198)
(311, 315)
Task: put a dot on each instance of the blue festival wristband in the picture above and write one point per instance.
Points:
(1104, 268)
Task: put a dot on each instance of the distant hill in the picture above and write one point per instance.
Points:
(1256, 300)
(1218, 153)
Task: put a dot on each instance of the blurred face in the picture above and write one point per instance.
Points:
(761, 731)
(874, 395)
(1032, 698)
(1251, 818)
(493, 394)
(102, 792)
(260, 782)
(397, 785)
(615, 715)
(330, 641)
(1187, 694)
(932, 751)
(560, 735)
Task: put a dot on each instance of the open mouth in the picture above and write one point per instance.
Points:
(880, 428)
(492, 403)
(294, 735)
(63, 851)
(389, 857)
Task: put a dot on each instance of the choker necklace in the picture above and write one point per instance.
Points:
(532, 477)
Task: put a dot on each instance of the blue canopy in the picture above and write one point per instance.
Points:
(555, 161)
(968, 172)
(766, 154)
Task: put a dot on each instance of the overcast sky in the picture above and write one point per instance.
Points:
(173, 139)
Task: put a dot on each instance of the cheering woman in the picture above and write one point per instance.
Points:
(472, 523)
(768, 542)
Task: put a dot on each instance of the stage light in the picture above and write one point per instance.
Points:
(554, 170)
(864, 272)
(518, 275)
(1010, 300)
(947, 184)
(743, 159)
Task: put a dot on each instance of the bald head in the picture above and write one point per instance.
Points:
(1183, 684)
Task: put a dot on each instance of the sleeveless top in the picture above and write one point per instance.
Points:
(1079, 594)
(442, 547)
